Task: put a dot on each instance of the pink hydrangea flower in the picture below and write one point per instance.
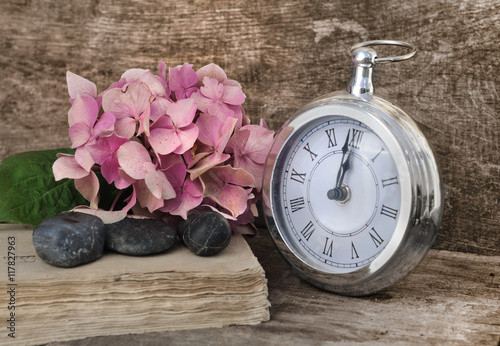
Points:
(84, 129)
(215, 98)
(174, 131)
(226, 186)
(131, 106)
(214, 134)
(104, 152)
(86, 182)
(151, 184)
(173, 142)
(156, 84)
(182, 80)
(250, 146)
(188, 193)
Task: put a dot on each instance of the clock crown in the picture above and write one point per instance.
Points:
(364, 59)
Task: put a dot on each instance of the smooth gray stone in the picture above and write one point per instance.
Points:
(139, 237)
(182, 226)
(206, 233)
(69, 239)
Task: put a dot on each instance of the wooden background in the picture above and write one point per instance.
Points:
(284, 53)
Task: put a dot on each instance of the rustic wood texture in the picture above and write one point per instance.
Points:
(285, 53)
(449, 299)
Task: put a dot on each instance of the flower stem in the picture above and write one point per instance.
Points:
(116, 200)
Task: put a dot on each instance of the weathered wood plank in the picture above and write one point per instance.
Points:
(449, 299)
(285, 53)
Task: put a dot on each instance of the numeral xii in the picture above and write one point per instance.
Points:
(357, 136)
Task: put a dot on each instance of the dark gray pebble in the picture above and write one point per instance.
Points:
(69, 239)
(181, 227)
(206, 233)
(139, 237)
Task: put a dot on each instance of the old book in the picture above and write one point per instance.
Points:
(120, 294)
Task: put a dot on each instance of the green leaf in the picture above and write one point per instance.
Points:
(28, 190)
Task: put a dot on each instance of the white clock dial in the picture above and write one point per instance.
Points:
(340, 194)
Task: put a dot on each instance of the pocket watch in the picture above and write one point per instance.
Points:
(352, 194)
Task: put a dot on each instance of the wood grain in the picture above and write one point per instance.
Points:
(449, 299)
(285, 53)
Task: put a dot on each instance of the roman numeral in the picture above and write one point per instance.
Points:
(296, 204)
(298, 177)
(308, 231)
(313, 155)
(380, 152)
(389, 212)
(354, 253)
(355, 141)
(377, 239)
(332, 141)
(390, 181)
(328, 249)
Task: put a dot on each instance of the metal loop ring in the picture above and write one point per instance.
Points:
(387, 43)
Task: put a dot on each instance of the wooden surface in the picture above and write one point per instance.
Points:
(285, 53)
(449, 299)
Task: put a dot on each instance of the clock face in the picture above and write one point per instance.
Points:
(339, 196)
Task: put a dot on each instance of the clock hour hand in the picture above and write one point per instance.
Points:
(345, 148)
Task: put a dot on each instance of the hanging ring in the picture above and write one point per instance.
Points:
(387, 43)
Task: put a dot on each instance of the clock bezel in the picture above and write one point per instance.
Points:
(418, 221)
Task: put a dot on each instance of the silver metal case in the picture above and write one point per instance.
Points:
(421, 192)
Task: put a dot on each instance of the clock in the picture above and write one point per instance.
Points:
(352, 193)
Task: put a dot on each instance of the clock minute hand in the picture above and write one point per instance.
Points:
(339, 193)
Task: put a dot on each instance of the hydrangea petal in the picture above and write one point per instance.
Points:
(146, 198)
(80, 86)
(67, 167)
(125, 127)
(201, 101)
(232, 95)
(133, 73)
(212, 71)
(109, 169)
(84, 110)
(187, 137)
(104, 125)
(182, 112)
(124, 180)
(128, 102)
(144, 122)
(212, 89)
(79, 134)
(181, 79)
(206, 163)
(236, 176)
(105, 147)
(155, 84)
(159, 108)
(188, 199)
(84, 158)
(164, 140)
(158, 183)
(106, 216)
(88, 186)
(134, 159)
(231, 197)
